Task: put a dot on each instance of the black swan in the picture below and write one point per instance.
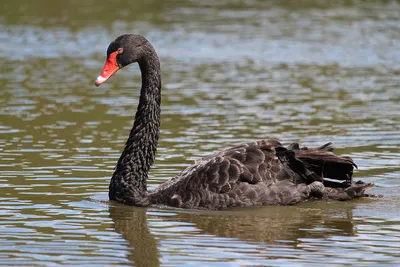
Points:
(250, 174)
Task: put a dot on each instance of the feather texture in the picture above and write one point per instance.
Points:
(255, 174)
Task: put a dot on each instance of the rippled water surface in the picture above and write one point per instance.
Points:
(233, 71)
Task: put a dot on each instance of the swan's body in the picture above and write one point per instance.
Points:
(251, 174)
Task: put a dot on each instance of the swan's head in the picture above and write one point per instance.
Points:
(124, 50)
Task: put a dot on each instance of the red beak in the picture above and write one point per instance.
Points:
(109, 69)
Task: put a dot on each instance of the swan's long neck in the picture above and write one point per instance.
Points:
(129, 182)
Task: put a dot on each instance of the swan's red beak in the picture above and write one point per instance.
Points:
(109, 69)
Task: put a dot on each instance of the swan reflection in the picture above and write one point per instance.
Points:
(147, 229)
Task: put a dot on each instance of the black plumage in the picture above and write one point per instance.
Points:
(250, 174)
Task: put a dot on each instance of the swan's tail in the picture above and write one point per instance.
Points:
(325, 163)
(321, 164)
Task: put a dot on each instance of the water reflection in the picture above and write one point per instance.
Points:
(131, 223)
(276, 227)
(275, 224)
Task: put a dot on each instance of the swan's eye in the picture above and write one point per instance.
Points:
(120, 50)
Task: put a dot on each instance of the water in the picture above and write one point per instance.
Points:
(233, 71)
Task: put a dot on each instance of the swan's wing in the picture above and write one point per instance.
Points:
(249, 174)
(250, 163)
(247, 164)
(257, 173)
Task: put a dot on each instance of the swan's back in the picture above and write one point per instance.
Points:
(254, 174)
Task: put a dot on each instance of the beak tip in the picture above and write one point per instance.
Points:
(99, 81)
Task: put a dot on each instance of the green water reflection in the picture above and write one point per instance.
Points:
(306, 71)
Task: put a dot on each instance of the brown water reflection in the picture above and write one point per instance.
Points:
(276, 228)
(131, 223)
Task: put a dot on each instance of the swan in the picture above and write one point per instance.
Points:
(256, 173)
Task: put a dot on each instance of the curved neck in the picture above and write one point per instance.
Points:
(129, 182)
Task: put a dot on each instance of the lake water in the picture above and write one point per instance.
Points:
(233, 71)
